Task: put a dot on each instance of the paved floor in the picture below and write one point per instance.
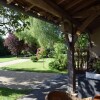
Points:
(85, 88)
(13, 62)
(40, 91)
(88, 87)
(42, 83)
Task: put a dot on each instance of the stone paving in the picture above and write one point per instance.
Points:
(86, 88)
(40, 91)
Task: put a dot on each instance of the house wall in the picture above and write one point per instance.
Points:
(95, 37)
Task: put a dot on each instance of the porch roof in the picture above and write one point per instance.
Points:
(83, 13)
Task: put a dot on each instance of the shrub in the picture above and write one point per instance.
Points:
(60, 56)
(34, 59)
(60, 63)
(14, 44)
(51, 54)
(97, 66)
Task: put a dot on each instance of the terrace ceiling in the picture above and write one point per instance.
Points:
(82, 13)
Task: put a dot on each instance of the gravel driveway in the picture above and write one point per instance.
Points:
(23, 80)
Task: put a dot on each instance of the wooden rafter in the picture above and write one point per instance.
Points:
(54, 10)
(83, 6)
(29, 8)
(17, 8)
(64, 13)
(9, 1)
(41, 4)
(61, 1)
(88, 21)
(73, 3)
(85, 13)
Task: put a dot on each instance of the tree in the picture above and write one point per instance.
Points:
(3, 50)
(13, 44)
(47, 34)
(31, 43)
(11, 19)
(82, 42)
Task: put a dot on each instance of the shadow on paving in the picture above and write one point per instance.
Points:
(88, 87)
(40, 91)
(22, 80)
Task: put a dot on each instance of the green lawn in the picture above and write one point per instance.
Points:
(7, 58)
(40, 66)
(11, 94)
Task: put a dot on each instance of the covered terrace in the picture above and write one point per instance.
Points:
(73, 16)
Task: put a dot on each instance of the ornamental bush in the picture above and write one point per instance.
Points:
(60, 63)
(60, 56)
(34, 58)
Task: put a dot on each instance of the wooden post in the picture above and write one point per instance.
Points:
(69, 29)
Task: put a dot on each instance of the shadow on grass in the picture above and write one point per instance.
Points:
(11, 92)
(10, 56)
(33, 70)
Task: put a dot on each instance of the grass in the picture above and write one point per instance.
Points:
(41, 66)
(11, 94)
(7, 58)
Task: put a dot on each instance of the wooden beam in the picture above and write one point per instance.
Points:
(29, 8)
(87, 12)
(64, 13)
(43, 5)
(9, 1)
(83, 5)
(17, 8)
(71, 86)
(88, 21)
(61, 1)
(73, 3)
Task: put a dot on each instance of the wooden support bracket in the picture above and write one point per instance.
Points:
(9, 1)
(43, 5)
(29, 8)
(87, 22)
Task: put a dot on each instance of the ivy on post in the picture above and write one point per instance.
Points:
(69, 32)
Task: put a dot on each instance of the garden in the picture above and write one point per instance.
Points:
(25, 37)
(36, 40)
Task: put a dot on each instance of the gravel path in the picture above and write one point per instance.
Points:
(13, 62)
(23, 80)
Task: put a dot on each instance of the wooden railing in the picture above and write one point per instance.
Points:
(81, 59)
